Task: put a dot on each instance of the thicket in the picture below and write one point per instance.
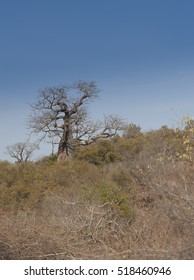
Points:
(127, 198)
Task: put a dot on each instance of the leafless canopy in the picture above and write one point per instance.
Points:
(21, 151)
(60, 115)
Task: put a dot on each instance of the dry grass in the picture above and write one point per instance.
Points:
(161, 227)
(61, 229)
(139, 208)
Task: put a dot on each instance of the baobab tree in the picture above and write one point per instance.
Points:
(60, 115)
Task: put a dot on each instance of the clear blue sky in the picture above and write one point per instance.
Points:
(139, 52)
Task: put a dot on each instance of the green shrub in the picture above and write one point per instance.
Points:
(48, 160)
(108, 193)
(99, 153)
(28, 185)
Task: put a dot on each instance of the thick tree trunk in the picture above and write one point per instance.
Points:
(63, 151)
(62, 156)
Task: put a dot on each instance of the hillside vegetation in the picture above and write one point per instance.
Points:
(127, 198)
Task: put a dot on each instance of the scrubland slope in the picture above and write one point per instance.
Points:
(132, 198)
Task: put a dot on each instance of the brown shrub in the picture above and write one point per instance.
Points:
(137, 208)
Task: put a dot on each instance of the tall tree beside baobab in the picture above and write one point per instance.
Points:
(60, 115)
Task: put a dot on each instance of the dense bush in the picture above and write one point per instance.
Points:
(29, 184)
(129, 198)
(102, 152)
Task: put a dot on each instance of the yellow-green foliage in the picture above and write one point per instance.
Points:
(187, 139)
(90, 199)
(130, 144)
(108, 193)
(28, 185)
(164, 144)
(84, 177)
(48, 160)
(129, 148)
(172, 144)
(99, 153)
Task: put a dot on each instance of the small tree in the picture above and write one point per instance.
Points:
(132, 130)
(21, 151)
(60, 115)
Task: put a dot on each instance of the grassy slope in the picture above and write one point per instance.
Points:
(135, 202)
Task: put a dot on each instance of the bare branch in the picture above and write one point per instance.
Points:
(22, 151)
(60, 113)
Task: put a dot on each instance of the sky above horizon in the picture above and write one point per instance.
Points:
(140, 53)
